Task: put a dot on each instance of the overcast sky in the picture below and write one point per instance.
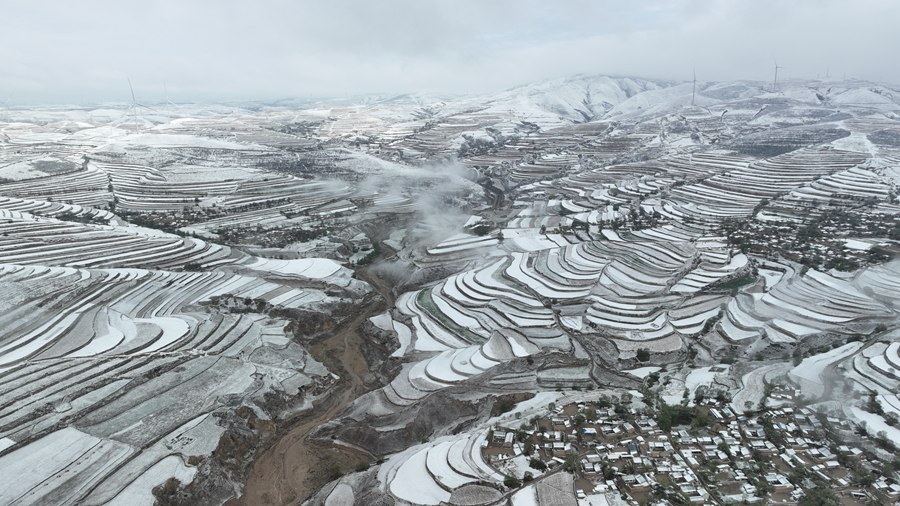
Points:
(84, 51)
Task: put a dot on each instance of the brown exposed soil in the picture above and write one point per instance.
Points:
(295, 467)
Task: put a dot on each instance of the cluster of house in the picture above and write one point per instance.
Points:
(771, 457)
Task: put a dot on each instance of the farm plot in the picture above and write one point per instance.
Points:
(876, 369)
(59, 467)
(735, 193)
(798, 306)
(810, 373)
(433, 473)
(135, 356)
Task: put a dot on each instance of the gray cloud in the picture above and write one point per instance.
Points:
(206, 50)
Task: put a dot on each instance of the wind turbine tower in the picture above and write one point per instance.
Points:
(133, 108)
(166, 89)
(694, 90)
(775, 81)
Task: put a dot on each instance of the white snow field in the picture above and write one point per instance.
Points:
(58, 467)
(430, 474)
(810, 372)
(139, 491)
(76, 339)
(161, 271)
(314, 268)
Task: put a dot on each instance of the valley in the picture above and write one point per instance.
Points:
(351, 301)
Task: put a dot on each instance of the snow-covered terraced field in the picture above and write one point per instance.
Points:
(95, 327)
(146, 189)
(86, 187)
(643, 294)
(600, 251)
(811, 372)
(45, 241)
(876, 368)
(737, 191)
(802, 305)
(431, 474)
(88, 341)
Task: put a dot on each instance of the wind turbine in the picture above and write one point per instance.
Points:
(694, 90)
(775, 82)
(166, 89)
(133, 108)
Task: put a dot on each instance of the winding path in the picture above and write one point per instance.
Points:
(295, 467)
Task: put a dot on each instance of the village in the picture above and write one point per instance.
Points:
(705, 454)
(376, 279)
(836, 239)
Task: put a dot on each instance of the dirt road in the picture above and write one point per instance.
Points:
(295, 467)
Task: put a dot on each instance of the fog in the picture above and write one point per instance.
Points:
(84, 52)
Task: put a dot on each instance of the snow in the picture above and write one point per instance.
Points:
(811, 368)
(659, 101)
(802, 311)
(39, 466)
(199, 436)
(696, 319)
(157, 140)
(404, 336)
(527, 496)
(770, 277)
(836, 284)
(460, 244)
(533, 243)
(793, 328)
(559, 101)
(139, 492)
(539, 401)
(139, 231)
(703, 376)
(753, 386)
(439, 368)
(342, 495)
(489, 287)
(875, 423)
(286, 297)
(439, 466)
(315, 268)
(518, 466)
(673, 393)
(594, 500)
(528, 239)
(863, 97)
(102, 343)
(383, 321)
(458, 317)
(519, 271)
(517, 348)
(890, 404)
(473, 220)
(5, 443)
(172, 328)
(424, 340)
(632, 274)
(45, 334)
(610, 235)
(201, 174)
(642, 372)
(413, 484)
(572, 322)
(20, 171)
(857, 244)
